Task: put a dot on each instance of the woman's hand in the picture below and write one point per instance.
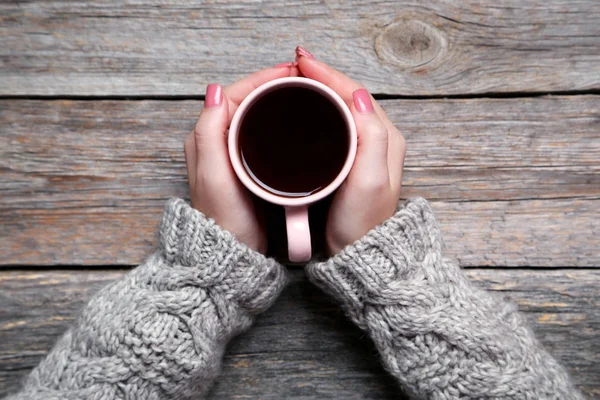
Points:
(214, 188)
(371, 192)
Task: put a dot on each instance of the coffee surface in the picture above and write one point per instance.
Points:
(293, 142)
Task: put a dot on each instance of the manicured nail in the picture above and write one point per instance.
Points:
(362, 101)
(301, 51)
(214, 96)
(285, 65)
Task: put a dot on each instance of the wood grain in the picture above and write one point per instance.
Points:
(303, 347)
(402, 47)
(514, 181)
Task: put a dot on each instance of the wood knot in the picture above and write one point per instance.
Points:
(411, 43)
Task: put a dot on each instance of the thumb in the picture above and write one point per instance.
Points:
(370, 166)
(210, 133)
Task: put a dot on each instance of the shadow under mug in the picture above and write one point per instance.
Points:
(296, 208)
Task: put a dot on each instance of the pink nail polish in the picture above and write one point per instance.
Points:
(284, 65)
(301, 51)
(214, 96)
(362, 101)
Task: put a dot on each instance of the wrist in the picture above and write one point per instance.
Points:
(212, 257)
(349, 231)
(384, 258)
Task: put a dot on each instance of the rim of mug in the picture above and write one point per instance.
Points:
(232, 141)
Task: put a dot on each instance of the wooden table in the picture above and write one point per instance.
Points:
(498, 100)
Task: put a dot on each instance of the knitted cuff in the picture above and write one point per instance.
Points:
(189, 239)
(374, 268)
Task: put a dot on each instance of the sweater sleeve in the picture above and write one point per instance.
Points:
(438, 335)
(160, 331)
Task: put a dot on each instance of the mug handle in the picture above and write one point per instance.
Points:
(298, 233)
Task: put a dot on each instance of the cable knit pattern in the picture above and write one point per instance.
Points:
(161, 330)
(438, 335)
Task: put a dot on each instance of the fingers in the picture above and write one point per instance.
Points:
(210, 136)
(340, 83)
(238, 91)
(319, 71)
(370, 169)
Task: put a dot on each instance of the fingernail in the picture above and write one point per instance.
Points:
(214, 96)
(301, 51)
(284, 65)
(362, 101)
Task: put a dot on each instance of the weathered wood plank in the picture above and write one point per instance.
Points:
(303, 347)
(400, 47)
(515, 181)
(516, 233)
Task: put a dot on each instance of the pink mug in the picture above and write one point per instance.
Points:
(296, 208)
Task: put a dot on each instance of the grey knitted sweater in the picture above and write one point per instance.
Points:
(160, 332)
(438, 335)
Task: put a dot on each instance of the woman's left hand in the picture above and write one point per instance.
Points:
(371, 192)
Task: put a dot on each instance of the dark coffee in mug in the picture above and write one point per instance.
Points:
(293, 141)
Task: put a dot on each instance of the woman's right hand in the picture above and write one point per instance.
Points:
(371, 192)
(215, 190)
